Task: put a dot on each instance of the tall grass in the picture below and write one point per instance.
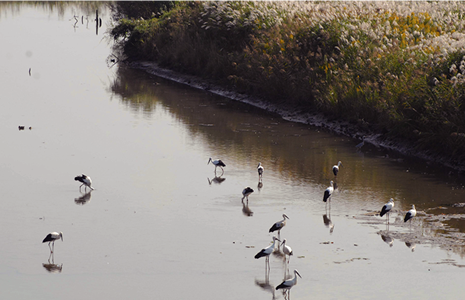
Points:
(397, 68)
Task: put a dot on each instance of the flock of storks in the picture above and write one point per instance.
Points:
(286, 285)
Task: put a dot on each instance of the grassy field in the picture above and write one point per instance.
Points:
(395, 68)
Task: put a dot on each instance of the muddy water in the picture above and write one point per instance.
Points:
(159, 224)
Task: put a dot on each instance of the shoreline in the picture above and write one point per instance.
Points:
(309, 118)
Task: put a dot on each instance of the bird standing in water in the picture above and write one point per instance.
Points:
(246, 192)
(286, 250)
(217, 163)
(260, 170)
(266, 252)
(410, 214)
(328, 192)
(51, 238)
(279, 225)
(387, 209)
(85, 180)
(336, 168)
(288, 284)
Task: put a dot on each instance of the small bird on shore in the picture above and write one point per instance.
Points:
(260, 170)
(217, 163)
(410, 214)
(279, 225)
(85, 180)
(288, 284)
(246, 192)
(51, 238)
(336, 168)
(328, 192)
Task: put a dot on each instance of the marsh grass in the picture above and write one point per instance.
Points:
(397, 68)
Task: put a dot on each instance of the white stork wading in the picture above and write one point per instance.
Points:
(51, 238)
(279, 225)
(328, 192)
(336, 168)
(287, 250)
(85, 180)
(288, 284)
(246, 192)
(217, 163)
(410, 214)
(260, 170)
(386, 210)
(266, 252)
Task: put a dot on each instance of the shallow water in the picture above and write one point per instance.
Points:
(159, 223)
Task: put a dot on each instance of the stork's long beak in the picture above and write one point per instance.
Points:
(209, 161)
(298, 274)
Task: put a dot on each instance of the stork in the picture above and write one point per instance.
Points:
(246, 192)
(51, 238)
(279, 225)
(336, 168)
(410, 214)
(386, 210)
(260, 170)
(85, 180)
(217, 163)
(266, 252)
(328, 192)
(288, 284)
(287, 250)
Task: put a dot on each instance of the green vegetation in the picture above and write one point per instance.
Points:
(397, 68)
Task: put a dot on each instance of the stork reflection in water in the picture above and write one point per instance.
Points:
(246, 210)
(259, 185)
(327, 220)
(410, 245)
(387, 239)
(265, 285)
(51, 266)
(216, 179)
(83, 199)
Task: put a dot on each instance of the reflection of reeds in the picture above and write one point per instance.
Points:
(84, 7)
(396, 65)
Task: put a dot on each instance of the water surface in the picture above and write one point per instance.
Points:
(159, 224)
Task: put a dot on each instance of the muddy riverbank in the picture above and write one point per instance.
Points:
(296, 114)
